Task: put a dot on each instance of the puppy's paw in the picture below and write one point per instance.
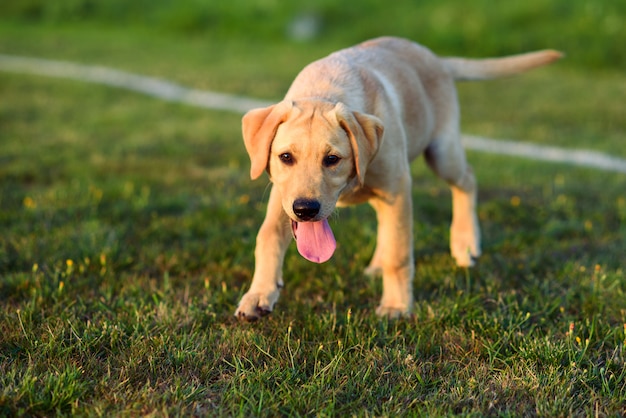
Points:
(465, 243)
(392, 312)
(465, 255)
(464, 248)
(256, 305)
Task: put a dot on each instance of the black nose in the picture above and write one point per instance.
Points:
(306, 209)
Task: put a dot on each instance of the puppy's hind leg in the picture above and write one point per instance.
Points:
(446, 158)
(465, 230)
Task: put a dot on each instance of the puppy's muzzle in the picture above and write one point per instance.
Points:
(306, 209)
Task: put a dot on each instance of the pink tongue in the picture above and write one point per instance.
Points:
(315, 240)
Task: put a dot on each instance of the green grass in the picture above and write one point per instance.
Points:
(592, 32)
(127, 229)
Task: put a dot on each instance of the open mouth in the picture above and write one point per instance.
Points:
(315, 240)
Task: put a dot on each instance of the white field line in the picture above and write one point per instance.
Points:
(115, 78)
(169, 91)
(577, 157)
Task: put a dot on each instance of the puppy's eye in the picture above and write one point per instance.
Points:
(286, 158)
(331, 160)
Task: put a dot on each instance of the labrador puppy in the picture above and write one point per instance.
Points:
(346, 133)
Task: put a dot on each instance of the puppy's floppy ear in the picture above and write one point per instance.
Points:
(365, 133)
(259, 128)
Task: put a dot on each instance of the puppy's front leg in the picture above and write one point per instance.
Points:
(394, 250)
(271, 244)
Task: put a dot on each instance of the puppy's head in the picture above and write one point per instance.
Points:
(311, 149)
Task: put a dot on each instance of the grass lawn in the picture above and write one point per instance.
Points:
(127, 230)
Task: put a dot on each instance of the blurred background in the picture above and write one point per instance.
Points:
(591, 32)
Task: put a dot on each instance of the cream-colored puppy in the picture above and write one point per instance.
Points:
(346, 133)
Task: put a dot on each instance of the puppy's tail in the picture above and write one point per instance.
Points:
(484, 69)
